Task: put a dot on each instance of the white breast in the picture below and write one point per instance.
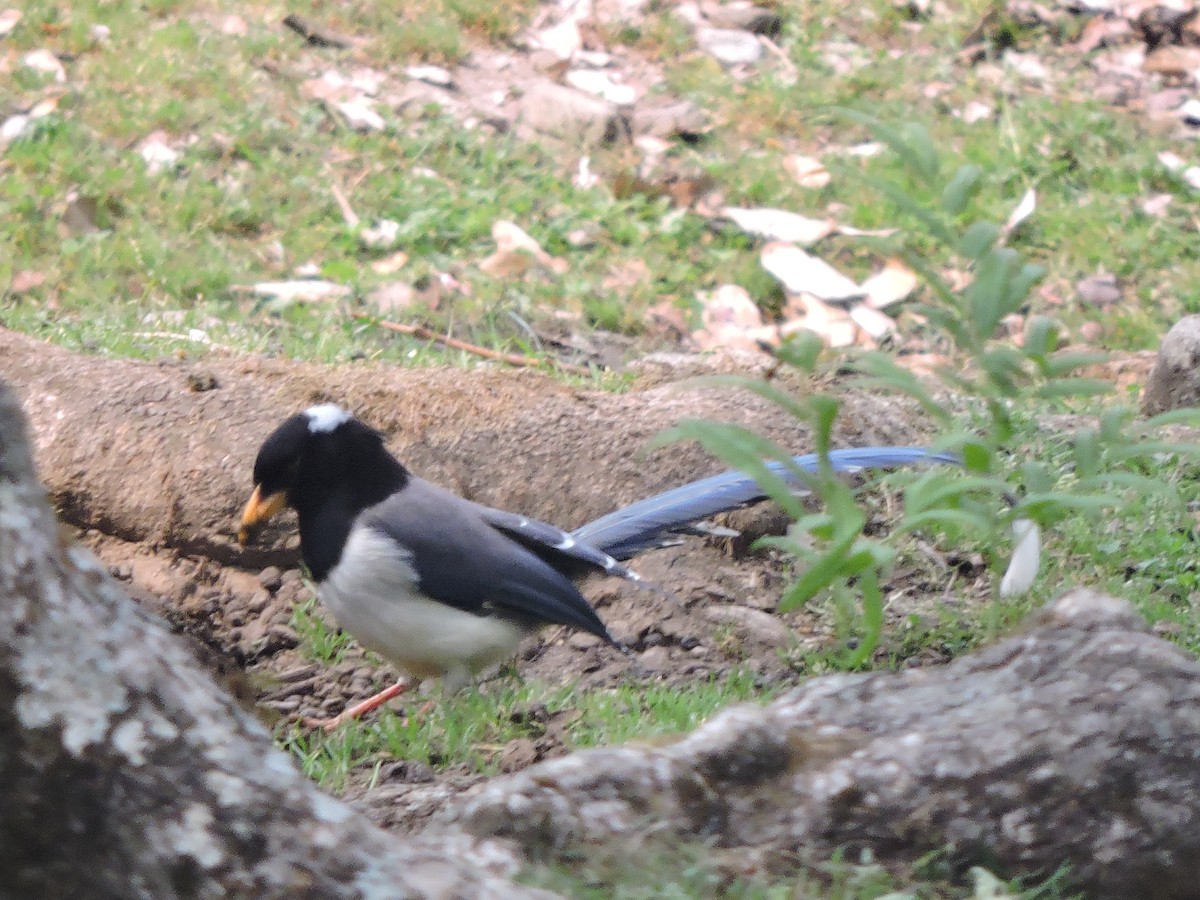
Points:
(373, 594)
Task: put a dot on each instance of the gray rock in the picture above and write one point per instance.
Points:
(1075, 742)
(729, 46)
(570, 115)
(742, 15)
(1174, 381)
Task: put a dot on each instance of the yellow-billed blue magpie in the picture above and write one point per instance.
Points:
(444, 587)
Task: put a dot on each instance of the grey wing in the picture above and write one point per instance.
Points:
(562, 550)
(461, 560)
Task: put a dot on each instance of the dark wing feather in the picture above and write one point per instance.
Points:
(559, 548)
(461, 560)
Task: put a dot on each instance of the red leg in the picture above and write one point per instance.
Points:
(358, 709)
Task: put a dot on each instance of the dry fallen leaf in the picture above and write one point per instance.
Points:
(157, 153)
(808, 172)
(1023, 211)
(780, 225)
(516, 251)
(392, 297)
(602, 85)
(26, 280)
(731, 319)
(873, 322)
(666, 318)
(45, 62)
(890, 285)
(8, 20)
(390, 264)
(300, 291)
(1156, 205)
(359, 114)
(800, 273)
(380, 236)
(810, 313)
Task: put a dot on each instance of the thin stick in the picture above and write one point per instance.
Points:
(348, 212)
(513, 359)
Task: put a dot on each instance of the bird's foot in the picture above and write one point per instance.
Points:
(361, 708)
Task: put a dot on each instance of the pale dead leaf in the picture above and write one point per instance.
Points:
(1014, 327)
(890, 285)
(851, 231)
(923, 363)
(1192, 176)
(665, 317)
(359, 114)
(1156, 205)
(8, 20)
(158, 155)
(234, 26)
(874, 323)
(1020, 213)
(516, 251)
(602, 85)
(393, 297)
(1091, 332)
(975, 111)
(45, 62)
(831, 323)
(390, 264)
(808, 172)
(12, 128)
(865, 151)
(1027, 65)
(300, 291)
(779, 225)
(563, 39)
(1173, 162)
(26, 280)
(380, 236)
(44, 107)
(1173, 60)
(799, 272)
(729, 304)
(435, 75)
(731, 318)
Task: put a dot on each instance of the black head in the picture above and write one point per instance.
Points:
(329, 467)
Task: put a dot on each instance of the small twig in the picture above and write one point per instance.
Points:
(778, 51)
(512, 359)
(348, 212)
(317, 35)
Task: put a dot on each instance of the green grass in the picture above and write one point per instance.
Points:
(251, 198)
(468, 731)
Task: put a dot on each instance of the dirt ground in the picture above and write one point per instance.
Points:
(151, 472)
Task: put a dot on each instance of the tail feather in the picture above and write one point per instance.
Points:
(646, 523)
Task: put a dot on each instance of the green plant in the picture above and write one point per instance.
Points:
(1003, 485)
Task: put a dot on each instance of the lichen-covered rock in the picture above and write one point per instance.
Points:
(1075, 742)
(126, 773)
(1174, 381)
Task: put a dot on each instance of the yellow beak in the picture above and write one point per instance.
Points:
(257, 511)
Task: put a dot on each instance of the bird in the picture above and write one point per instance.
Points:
(445, 587)
(435, 583)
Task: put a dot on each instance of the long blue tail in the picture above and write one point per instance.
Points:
(646, 523)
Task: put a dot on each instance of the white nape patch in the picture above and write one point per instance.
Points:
(326, 417)
(374, 594)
